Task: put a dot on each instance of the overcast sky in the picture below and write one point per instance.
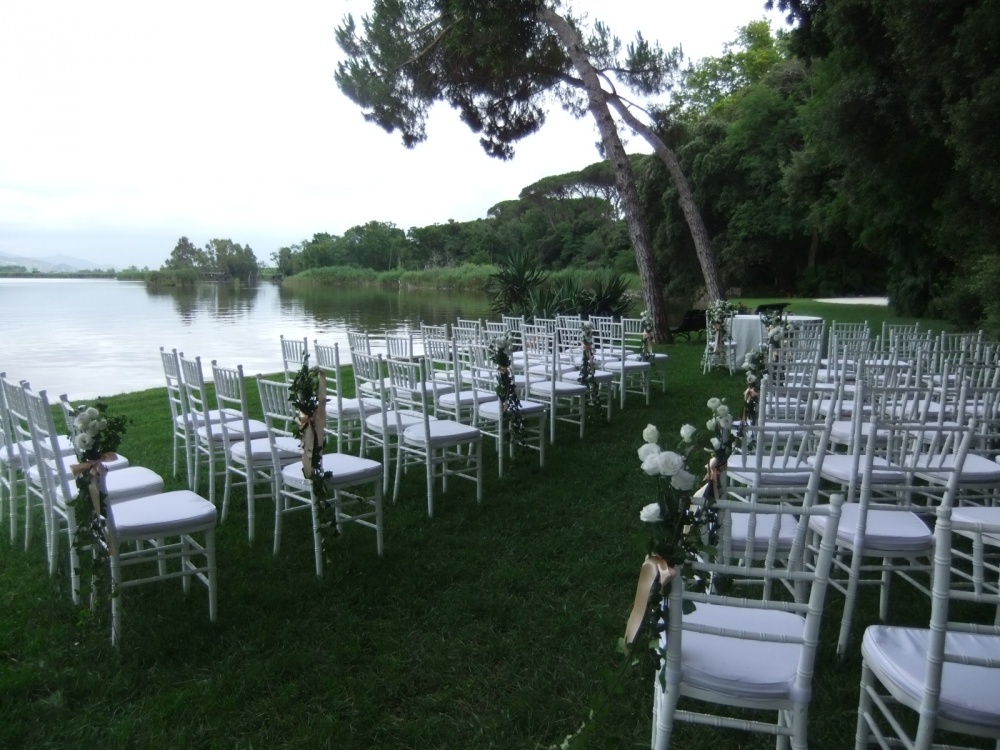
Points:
(129, 124)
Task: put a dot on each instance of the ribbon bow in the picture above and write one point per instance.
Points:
(312, 427)
(97, 487)
(654, 572)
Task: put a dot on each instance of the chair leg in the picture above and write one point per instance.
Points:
(849, 602)
(116, 598)
(279, 513)
(862, 733)
(430, 482)
(317, 536)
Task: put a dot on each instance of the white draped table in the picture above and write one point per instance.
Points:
(747, 334)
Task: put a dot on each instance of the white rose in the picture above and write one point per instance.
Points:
(751, 378)
(687, 432)
(651, 466)
(84, 441)
(713, 403)
(650, 513)
(682, 480)
(81, 422)
(92, 429)
(710, 425)
(722, 410)
(669, 463)
(725, 423)
(715, 443)
(651, 434)
(648, 450)
(102, 424)
(92, 413)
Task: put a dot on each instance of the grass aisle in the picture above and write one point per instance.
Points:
(490, 626)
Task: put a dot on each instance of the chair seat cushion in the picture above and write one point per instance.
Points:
(442, 432)
(840, 468)
(546, 388)
(737, 667)
(763, 528)
(235, 430)
(465, 398)
(344, 471)
(978, 514)
(968, 693)
(976, 469)
(198, 420)
(494, 409)
(885, 530)
(163, 514)
(773, 470)
(406, 417)
(260, 449)
(12, 457)
(629, 366)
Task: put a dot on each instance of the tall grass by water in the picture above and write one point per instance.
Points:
(490, 626)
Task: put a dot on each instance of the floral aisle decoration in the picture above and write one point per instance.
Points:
(588, 367)
(307, 393)
(777, 328)
(96, 437)
(716, 316)
(646, 321)
(683, 521)
(755, 363)
(501, 352)
(684, 524)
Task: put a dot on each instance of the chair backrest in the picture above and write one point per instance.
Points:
(399, 346)
(175, 385)
(328, 360)
(293, 354)
(441, 366)
(17, 421)
(493, 328)
(7, 440)
(850, 335)
(275, 402)
(369, 377)
(512, 322)
(234, 412)
(467, 331)
(43, 435)
(195, 395)
(433, 331)
(408, 389)
(359, 341)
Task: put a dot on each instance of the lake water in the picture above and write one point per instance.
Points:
(89, 338)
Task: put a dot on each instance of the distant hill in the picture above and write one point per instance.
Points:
(52, 263)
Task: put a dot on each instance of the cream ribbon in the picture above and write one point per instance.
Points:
(97, 484)
(312, 426)
(654, 572)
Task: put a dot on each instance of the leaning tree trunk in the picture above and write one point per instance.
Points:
(652, 290)
(702, 244)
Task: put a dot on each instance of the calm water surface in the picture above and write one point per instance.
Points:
(90, 338)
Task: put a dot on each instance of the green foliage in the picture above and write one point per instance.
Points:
(510, 287)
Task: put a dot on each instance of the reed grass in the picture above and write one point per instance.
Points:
(490, 626)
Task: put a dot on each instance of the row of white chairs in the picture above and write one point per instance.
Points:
(265, 457)
(144, 527)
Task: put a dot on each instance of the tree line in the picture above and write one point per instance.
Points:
(852, 153)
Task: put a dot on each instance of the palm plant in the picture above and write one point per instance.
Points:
(510, 287)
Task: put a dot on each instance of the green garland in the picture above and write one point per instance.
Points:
(94, 435)
(501, 350)
(304, 395)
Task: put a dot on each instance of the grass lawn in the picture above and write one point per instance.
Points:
(490, 626)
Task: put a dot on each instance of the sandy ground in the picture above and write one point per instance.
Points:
(883, 301)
